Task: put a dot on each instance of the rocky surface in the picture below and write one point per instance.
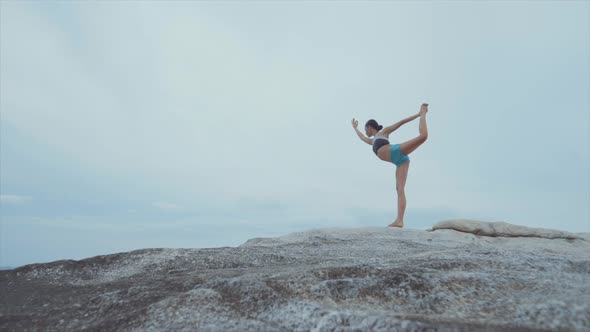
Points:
(504, 229)
(337, 279)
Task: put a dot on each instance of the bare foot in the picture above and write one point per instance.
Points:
(396, 223)
(423, 108)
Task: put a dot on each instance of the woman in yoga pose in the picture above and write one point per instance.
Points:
(395, 153)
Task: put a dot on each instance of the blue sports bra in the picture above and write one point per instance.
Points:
(378, 142)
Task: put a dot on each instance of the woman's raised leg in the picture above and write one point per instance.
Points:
(411, 145)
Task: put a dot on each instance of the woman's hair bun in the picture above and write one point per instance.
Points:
(374, 124)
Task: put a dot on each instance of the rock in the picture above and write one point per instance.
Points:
(501, 228)
(332, 279)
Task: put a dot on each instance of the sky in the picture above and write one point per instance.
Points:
(194, 124)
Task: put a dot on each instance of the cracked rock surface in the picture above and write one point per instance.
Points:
(332, 279)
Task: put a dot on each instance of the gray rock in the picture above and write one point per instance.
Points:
(333, 279)
(501, 228)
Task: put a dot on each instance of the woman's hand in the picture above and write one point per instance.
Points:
(355, 123)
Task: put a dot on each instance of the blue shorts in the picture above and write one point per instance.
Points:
(397, 156)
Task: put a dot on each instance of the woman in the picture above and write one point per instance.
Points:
(395, 153)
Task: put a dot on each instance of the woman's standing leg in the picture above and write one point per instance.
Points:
(401, 175)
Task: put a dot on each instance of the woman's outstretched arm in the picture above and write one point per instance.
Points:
(358, 132)
(393, 127)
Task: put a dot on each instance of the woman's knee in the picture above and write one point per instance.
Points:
(400, 190)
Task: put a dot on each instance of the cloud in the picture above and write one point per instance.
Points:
(14, 199)
(240, 115)
(167, 206)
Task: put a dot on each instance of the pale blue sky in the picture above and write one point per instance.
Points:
(128, 125)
